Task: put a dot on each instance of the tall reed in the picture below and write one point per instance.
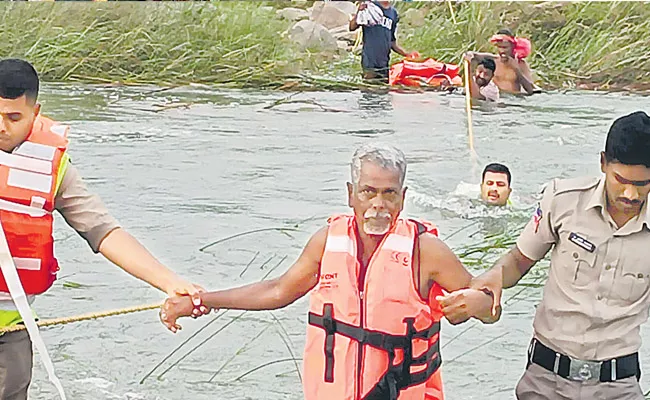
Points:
(244, 44)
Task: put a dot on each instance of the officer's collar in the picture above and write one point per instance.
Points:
(598, 199)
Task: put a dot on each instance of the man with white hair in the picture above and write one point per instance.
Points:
(376, 283)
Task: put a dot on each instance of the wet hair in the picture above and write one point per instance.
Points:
(385, 156)
(488, 63)
(505, 31)
(628, 140)
(497, 168)
(17, 78)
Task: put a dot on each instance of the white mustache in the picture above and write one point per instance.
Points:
(376, 214)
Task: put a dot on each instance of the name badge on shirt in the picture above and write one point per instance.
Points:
(582, 242)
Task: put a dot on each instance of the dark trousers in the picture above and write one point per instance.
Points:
(375, 75)
(15, 365)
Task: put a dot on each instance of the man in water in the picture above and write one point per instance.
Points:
(586, 332)
(495, 185)
(375, 281)
(36, 178)
(481, 85)
(379, 21)
(512, 71)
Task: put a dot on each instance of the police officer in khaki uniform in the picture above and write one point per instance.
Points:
(82, 210)
(586, 328)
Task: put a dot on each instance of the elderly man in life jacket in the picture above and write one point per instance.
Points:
(512, 73)
(376, 281)
(36, 178)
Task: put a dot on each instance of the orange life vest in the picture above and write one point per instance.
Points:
(429, 72)
(377, 342)
(29, 178)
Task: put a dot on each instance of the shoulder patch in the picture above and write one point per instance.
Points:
(537, 217)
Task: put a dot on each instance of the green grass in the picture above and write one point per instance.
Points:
(242, 44)
(601, 44)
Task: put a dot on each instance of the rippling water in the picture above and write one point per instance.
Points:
(181, 168)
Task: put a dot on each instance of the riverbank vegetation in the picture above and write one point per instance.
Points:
(599, 45)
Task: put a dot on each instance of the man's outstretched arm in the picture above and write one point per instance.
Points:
(298, 280)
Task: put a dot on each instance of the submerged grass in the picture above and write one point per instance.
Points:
(483, 253)
(243, 44)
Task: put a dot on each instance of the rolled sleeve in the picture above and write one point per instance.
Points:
(539, 234)
(82, 210)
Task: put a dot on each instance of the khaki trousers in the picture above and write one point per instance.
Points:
(538, 383)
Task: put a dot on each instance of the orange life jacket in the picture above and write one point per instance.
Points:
(429, 72)
(29, 178)
(377, 342)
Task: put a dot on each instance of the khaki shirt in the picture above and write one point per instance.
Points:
(82, 210)
(596, 295)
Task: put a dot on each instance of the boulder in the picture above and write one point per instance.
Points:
(308, 34)
(292, 14)
(329, 15)
(347, 7)
(343, 33)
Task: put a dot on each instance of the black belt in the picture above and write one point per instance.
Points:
(579, 370)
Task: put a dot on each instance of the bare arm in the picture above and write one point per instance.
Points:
(478, 57)
(525, 77)
(474, 90)
(299, 279)
(276, 293)
(399, 50)
(440, 265)
(125, 251)
(507, 271)
(512, 267)
(353, 22)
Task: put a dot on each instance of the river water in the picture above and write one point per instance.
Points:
(182, 168)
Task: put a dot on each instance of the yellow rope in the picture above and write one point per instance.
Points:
(468, 105)
(359, 33)
(358, 40)
(83, 317)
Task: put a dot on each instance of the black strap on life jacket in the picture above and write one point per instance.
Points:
(399, 377)
(384, 341)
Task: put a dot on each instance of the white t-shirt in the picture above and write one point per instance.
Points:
(490, 91)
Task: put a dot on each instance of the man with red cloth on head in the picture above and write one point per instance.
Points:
(512, 73)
